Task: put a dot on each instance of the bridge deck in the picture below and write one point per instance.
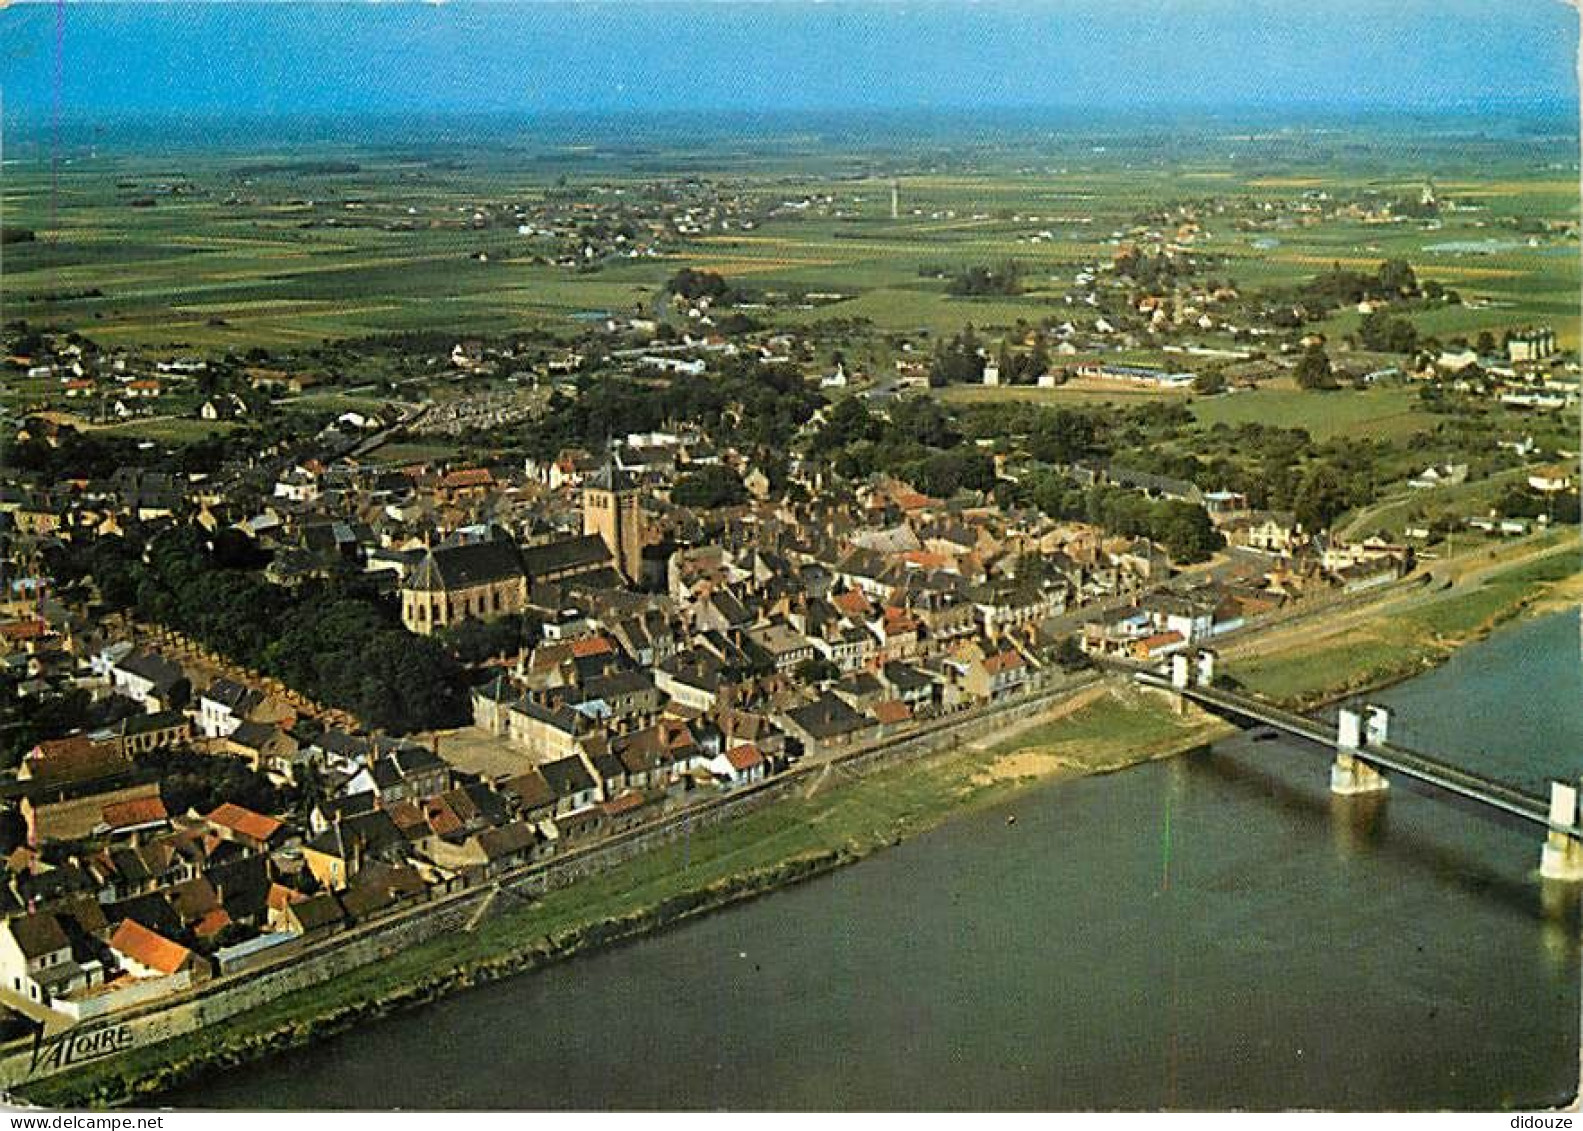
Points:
(1397, 759)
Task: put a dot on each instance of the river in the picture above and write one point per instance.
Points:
(1215, 931)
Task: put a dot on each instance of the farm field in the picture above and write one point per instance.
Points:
(213, 253)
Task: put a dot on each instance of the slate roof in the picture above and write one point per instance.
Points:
(587, 552)
(827, 717)
(38, 934)
(458, 567)
(567, 776)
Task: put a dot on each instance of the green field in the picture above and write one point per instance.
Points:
(1382, 413)
(287, 261)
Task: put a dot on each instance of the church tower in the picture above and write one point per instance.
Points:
(610, 510)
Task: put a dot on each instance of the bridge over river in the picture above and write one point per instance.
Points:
(1365, 755)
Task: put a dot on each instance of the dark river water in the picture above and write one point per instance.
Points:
(1212, 932)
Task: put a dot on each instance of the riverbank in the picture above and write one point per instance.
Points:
(1406, 634)
(838, 818)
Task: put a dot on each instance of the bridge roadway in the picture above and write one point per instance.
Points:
(1382, 756)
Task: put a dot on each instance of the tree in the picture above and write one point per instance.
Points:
(1313, 370)
(709, 487)
(1321, 498)
(1208, 382)
(816, 669)
(1069, 655)
(1396, 277)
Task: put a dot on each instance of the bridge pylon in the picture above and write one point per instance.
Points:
(1562, 855)
(1349, 774)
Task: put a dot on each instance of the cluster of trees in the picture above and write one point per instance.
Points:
(474, 641)
(1388, 334)
(24, 723)
(692, 285)
(335, 640)
(189, 780)
(99, 455)
(16, 235)
(957, 361)
(709, 487)
(743, 402)
(1393, 279)
(1313, 370)
(1018, 368)
(1184, 529)
(1005, 279)
(1153, 272)
(919, 443)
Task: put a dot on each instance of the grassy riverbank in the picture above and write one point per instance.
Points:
(834, 819)
(1405, 635)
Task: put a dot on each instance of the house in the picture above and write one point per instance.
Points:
(825, 725)
(339, 853)
(995, 676)
(1440, 475)
(150, 679)
(571, 783)
(36, 958)
(144, 953)
(740, 765)
(263, 746)
(242, 826)
(1158, 645)
(161, 730)
(1270, 532)
(224, 706)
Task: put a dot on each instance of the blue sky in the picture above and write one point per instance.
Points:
(205, 59)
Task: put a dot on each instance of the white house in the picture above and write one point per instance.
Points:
(739, 765)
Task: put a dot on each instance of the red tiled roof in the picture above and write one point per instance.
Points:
(891, 711)
(280, 897)
(623, 804)
(24, 630)
(212, 923)
(239, 820)
(591, 646)
(146, 948)
(468, 477)
(138, 811)
(1003, 662)
(744, 757)
(851, 602)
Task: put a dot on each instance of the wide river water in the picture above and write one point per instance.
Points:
(1215, 931)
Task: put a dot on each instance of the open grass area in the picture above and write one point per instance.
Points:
(170, 430)
(839, 815)
(1389, 413)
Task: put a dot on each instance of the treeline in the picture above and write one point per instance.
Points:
(334, 640)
